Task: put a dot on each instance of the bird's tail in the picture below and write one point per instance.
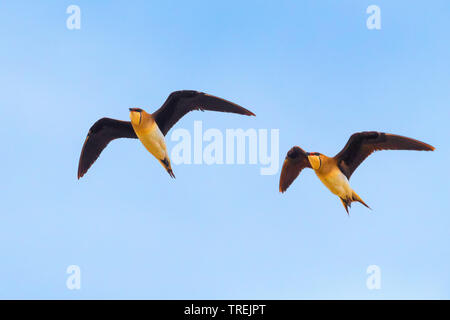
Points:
(347, 202)
(167, 166)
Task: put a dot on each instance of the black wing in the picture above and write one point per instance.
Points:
(100, 134)
(296, 160)
(181, 102)
(362, 144)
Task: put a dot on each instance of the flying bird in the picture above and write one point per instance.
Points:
(150, 128)
(335, 172)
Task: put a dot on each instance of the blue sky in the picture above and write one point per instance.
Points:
(312, 70)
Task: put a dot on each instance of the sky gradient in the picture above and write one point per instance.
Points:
(312, 70)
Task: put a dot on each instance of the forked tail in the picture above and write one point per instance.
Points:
(167, 166)
(348, 201)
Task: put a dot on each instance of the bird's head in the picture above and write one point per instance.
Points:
(136, 115)
(315, 159)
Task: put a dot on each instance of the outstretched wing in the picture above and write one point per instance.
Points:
(362, 144)
(296, 160)
(181, 102)
(100, 134)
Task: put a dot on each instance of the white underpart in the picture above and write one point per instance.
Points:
(337, 183)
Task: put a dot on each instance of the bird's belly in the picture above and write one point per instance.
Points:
(153, 141)
(337, 183)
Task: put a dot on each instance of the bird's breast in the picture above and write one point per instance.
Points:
(336, 182)
(153, 140)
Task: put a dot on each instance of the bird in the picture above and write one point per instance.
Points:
(335, 172)
(151, 128)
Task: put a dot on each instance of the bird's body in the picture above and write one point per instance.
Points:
(333, 178)
(150, 128)
(335, 172)
(152, 139)
(328, 172)
(150, 135)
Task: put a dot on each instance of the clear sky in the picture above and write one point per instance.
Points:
(311, 69)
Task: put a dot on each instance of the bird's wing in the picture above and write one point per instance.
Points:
(181, 102)
(100, 134)
(362, 144)
(296, 160)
